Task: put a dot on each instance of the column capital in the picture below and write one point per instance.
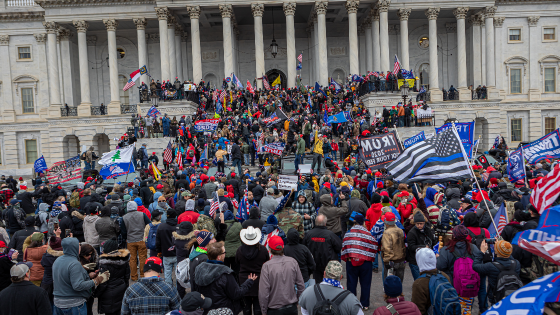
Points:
(81, 25)
(91, 40)
(4, 40)
(289, 8)
(184, 37)
(140, 23)
(374, 15)
(451, 27)
(367, 22)
(154, 38)
(162, 13)
(40, 38)
(111, 24)
(533, 20)
(226, 10)
(64, 34)
(321, 7)
(404, 14)
(490, 11)
(383, 5)
(194, 11)
(258, 9)
(352, 6)
(461, 12)
(475, 19)
(51, 27)
(171, 20)
(178, 29)
(432, 13)
(499, 21)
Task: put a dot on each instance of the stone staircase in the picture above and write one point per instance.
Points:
(175, 108)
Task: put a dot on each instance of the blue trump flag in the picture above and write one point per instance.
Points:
(40, 165)
(547, 230)
(547, 147)
(466, 133)
(336, 85)
(318, 88)
(326, 118)
(337, 119)
(516, 165)
(413, 140)
(113, 170)
(153, 112)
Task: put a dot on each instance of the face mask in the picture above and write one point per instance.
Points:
(162, 204)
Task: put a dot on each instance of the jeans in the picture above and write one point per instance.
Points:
(317, 159)
(414, 270)
(144, 164)
(137, 248)
(398, 270)
(482, 295)
(376, 261)
(298, 160)
(238, 163)
(362, 273)
(90, 166)
(333, 155)
(169, 265)
(76, 310)
(247, 158)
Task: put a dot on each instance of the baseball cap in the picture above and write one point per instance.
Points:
(390, 218)
(193, 301)
(20, 269)
(153, 264)
(14, 201)
(2, 244)
(276, 242)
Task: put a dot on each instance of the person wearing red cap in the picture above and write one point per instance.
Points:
(153, 158)
(393, 248)
(277, 294)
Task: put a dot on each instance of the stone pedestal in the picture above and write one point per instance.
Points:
(464, 94)
(436, 95)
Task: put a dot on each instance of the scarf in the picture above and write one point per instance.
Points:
(201, 249)
(334, 283)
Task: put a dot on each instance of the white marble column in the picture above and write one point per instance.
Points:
(54, 81)
(178, 54)
(464, 93)
(353, 51)
(67, 79)
(490, 57)
(369, 45)
(383, 7)
(227, 12)
(258, 11)
(142, 48)
(114, 107)
(498, 23)
(534, 72)
(7, 105)
(162, 14)
(404, 59)
(84, 107)
(171, 49)
(375, 40)
(321, 9)
(317, 48)
(289, 11)
(310, 53)
(185, 54)
(362, 49)
(482, 48)
(435, 92)
(476, 51)
(194, 13)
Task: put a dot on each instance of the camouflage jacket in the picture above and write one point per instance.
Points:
(205, 223)
(288, 218)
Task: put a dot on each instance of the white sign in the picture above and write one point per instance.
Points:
(305, 168)
(229, 146)
(286, 182)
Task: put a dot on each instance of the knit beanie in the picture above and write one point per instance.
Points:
(55, 243)
(460, 232)
(376, 198)
(138, 201)
(426, 259)
(419, 217)
(110, 246)
(203, 238)
(392, 286)
(37, 237)
(272, 220)
(503, 249)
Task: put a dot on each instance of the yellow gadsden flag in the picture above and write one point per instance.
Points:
(276, 81)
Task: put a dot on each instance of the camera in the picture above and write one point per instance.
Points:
(490, 241)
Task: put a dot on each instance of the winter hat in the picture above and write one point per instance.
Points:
(390, 218)
(30, 221)
(359, 219)
(110, 246)
(272, 220)
(159, 187)
(380, 185)
(460, 232)
(131, 206)
(171, 214)
(203, 238)
(185, 228)
(426, 259)
(376, 198)
(503, 249)
(37, 236)
(114, 197)
(392, 286)
(138, 201)
(333, 270)
(355, 193)
(156, 213)
(189, 205)
(419, 217)
(126, 197)
(470, 219)
(55, 243)
(200, 202)
(352, 173)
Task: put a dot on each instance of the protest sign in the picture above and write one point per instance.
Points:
(287, 182)
(275, 148)
(206, 125)
(547, 147)
(413, 140)
(304, 169)
(379, 150)
(64, 171)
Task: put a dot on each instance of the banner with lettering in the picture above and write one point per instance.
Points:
(413, 140)
(379, 150)
(466, 133)
(547, 147)
(64, 171)
(275, 148)
(206, 125)
(516, 165)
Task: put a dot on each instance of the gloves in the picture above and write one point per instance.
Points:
(90, 266)
(101, 278)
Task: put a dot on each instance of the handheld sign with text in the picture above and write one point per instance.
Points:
(379, 150)
(206, 125)
(547, 147)
(287, 182)
(415, 139)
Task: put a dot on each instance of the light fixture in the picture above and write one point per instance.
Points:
(273, 45)
(404, 91)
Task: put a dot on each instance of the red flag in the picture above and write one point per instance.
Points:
(547, 190)
(250, 88)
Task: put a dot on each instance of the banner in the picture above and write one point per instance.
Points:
(153, 112)
(413, 140)
(206, 125)
(380, 150)
(337, 119)
(40, 165)
(516, 165)
(114, 170)
(275, 148)
(287, 182)
(547, 147)
(546, 233)
(466, 133)
(122, 155)
(410, 82)
(64, 171)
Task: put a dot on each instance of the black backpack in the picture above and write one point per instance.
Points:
(325, 306)
(477, 240)
(508, 281)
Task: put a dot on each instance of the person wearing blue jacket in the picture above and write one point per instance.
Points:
(165, 123)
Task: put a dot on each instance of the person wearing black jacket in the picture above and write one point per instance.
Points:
(86, 198)
(53, 252)
(110, 294)
(301, 254)
(419, 236)
(19, 237)
(26, 198)
(254, 219)
(165, 246)
(323, 244)
(14, 217)
(145, 193)
(24, 297)
(235, 184)
(65, 223)
(251, 257)
(236, 157)
(258, 190)
(5, 265)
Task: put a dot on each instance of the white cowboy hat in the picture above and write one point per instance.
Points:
(250, 235)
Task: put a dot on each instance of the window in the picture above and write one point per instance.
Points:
(515, 81)
(549, 80)
(549, 125)
(549, 33)
(31, 151)
(516, 129)
(515, 35)
(27, 100)
(24, 53)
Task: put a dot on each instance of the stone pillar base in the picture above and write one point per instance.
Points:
(493, 93)
(534, 95)
(464, 94)
(84, 109)
(436, 95)
(54, 111)
(114, 108)
(9, 115)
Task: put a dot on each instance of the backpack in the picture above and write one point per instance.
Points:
(443, 295)
(74, 200)
(477, 240)
(507, 282)
(465, 280)
(444, 220)
(38, 222)
(83, 156)
(182, 273)
(326, 306)
(151, 241)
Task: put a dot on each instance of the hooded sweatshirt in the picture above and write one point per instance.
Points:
(43, 215)
(300, 253)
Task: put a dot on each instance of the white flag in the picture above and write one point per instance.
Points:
(123, 155)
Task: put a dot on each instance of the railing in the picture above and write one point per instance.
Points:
(96, 110)
(377, 86)
(70, 111)
(409, 121)
(128, 109)
(20, 3)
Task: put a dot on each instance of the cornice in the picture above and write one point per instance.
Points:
(22, 16)
(70, 3)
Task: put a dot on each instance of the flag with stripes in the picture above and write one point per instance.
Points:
(438, 159)
(223, 94)
(300, 58)
(265, 82)
(179, 158)
(250, 88)
(397, 66)
(128, 85)
(547, 190)
(168, 154)
(283, 202)
(500, 220)
(214, 204)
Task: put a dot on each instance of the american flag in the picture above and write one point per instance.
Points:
(214, 204)
(300, 58)
(168, 154)
(265, 82)
(179, 158)
(222, 94)
(128, 85)
(282, 203)
(397, 67)
(547, 190)
(500, 220)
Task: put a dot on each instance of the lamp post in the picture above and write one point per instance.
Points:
(273, 45)
(404, 91)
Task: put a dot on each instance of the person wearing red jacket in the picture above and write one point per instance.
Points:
(374, 212)
(406, 205)
(141, 208)
(189, 215)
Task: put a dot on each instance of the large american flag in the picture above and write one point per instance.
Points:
(179, 158)
(265, 82)
(547, 190)
(300, 58)
(168, 154)
(500, 220)
(128, 85)
(397, 66)
(214, 204)
(222, 94)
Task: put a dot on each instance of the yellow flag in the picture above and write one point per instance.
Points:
(230, 96)
(157, 173)
(277, 81)
(249, 112)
